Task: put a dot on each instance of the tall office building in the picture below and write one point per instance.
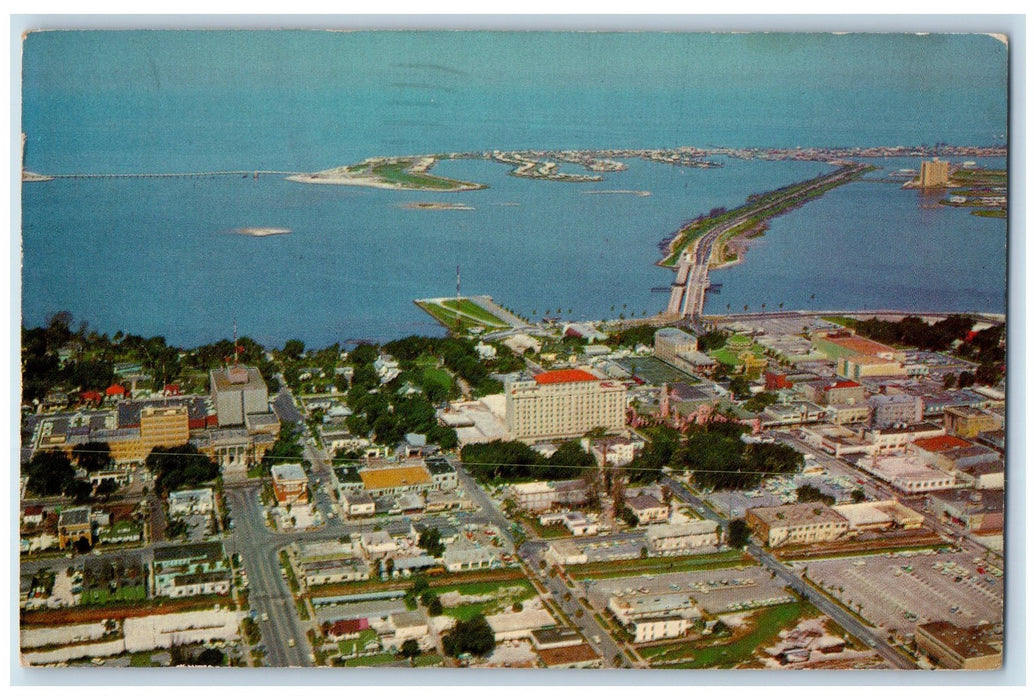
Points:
(935, 173)
(236, 392)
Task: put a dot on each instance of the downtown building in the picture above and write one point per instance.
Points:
(563, 404)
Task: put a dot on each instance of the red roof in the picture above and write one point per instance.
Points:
(33, 510)
(115, 389)
(91, 396)
(172, 389)
(844, 385)
(344, 627)
(563, 376)
(941, 443)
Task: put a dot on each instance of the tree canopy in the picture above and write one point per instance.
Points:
(473, 636)
(92, 456)
(738, 535)
(50, 473)
(181, 466)
(515, 461)
(431, 541)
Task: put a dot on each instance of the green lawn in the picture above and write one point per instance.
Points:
(448, 318)
(768, 624)
(466, 306)
(466, 612)
(428, 660)
(483, 587)
(728, 357)
(384, 657)
(633, 567)
(347, 647)
(841, 321)
(399, 172)
(437, 377)
(141, 659)
(499, 603)
(101, 596)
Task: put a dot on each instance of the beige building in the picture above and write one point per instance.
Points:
(859, 366)
(934, 173)
(670, 342)
(879, 515)
(681, 538)
(967, 422)
(971, 648)
(797, 523)
(163, 426)
(236, 392)
(562, 404)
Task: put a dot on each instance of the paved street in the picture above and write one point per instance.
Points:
(788, 575)
(531, 553)
(268, 591)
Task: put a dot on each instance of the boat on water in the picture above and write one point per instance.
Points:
(263, 231)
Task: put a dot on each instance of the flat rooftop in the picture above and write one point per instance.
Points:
(236, 379)
(797, 514)
(394, 477)
(288, 472)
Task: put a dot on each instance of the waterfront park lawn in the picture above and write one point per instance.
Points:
(460, 315)
(470, 308)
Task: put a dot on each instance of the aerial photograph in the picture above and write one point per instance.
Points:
(527, 350)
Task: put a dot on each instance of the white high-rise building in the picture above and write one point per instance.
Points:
(563, 404)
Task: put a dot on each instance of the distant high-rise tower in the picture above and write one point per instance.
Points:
(935, 173)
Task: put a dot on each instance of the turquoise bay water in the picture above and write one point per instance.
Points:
(158, 256)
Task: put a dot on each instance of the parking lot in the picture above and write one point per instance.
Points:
(898, 591)
(716, 591)
(778, 490)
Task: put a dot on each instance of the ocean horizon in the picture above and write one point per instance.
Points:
(160, 256)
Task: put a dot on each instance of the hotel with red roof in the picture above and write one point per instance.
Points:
(563, 403)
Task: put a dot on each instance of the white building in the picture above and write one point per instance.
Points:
(198, 501)
(540, 496)
(377, 543)
(652, 628)
(357, 504)
(563, 403)
(576, 523)
(682, 537)
(628, 609)
(464, 558)
(647, 509)
(408, 625)
(670, 342)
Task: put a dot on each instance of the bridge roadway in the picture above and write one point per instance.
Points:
(687, 296)
(210, 173)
